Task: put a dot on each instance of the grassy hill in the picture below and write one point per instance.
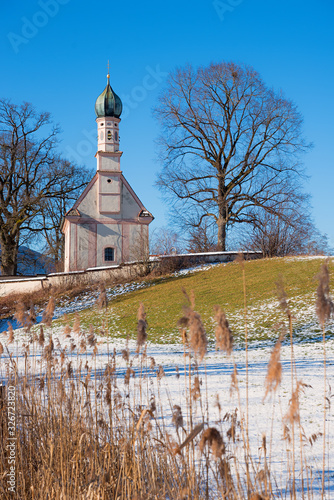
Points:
(220, 285)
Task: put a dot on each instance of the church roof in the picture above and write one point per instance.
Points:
(108, 103)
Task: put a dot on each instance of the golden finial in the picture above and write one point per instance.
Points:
(108, 76)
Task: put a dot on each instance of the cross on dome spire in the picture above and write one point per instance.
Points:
(108, 103)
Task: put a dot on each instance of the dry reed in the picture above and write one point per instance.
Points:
(224, 338)
(324, 310)
(213, 438)
(85, 435)
(274, 374)
(48, 312)
(191, 320)
(141, 327)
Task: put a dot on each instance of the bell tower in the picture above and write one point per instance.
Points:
(108, 109)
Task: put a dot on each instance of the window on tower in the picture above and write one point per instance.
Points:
(109, 135)
(109, 254)
(115, 136)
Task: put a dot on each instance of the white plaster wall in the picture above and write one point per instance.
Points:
(83, 231)
(24, 286)
(109, 203)
(109, 235)
(129, 207)
(67, 248)
(28, 285)
(109, 164)
(88, 206)
(112, 187)
(73, 240)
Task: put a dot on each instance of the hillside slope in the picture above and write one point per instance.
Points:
(221, 285)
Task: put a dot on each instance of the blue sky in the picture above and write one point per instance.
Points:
(54, 54)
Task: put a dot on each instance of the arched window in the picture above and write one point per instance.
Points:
(115, 136)
(109, 135)
(109, 254)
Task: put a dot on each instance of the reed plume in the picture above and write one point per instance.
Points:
(196, 390)
(234, 381)
(192, 320)
(160, 372)
(91, 338)
(177, 417)
(125, 354)
(128, 374)
(274, 372)
(48, 350)
(141, 327)
(67, 331)
(324, 303)
(213, 438)
(48, 312)
(102, 300)
(224, 338)
(21, 314)
(10, 334)
(293, 414)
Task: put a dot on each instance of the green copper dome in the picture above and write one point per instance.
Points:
(108, 103)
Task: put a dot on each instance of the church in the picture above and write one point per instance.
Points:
(108, 224)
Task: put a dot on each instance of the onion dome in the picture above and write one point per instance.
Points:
(108, 103)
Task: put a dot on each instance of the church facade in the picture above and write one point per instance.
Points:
(108, 224)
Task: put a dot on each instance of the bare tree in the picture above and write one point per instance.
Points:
(290, 233)
(48, 222)
(202, 238)
(31, 171)
(227, 140)
(164, 241)
(140, 251)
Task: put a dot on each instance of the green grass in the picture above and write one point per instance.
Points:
(221, 285)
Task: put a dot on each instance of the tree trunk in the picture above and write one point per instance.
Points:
(9, 251)
(221, 223)
(222, 218)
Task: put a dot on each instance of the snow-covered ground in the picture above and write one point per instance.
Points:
(265, 416)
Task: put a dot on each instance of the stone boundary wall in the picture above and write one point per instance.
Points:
(128, 271)
(210, 257)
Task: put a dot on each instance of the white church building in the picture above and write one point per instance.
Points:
(108, 224)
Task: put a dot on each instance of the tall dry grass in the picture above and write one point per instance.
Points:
(83, 433)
